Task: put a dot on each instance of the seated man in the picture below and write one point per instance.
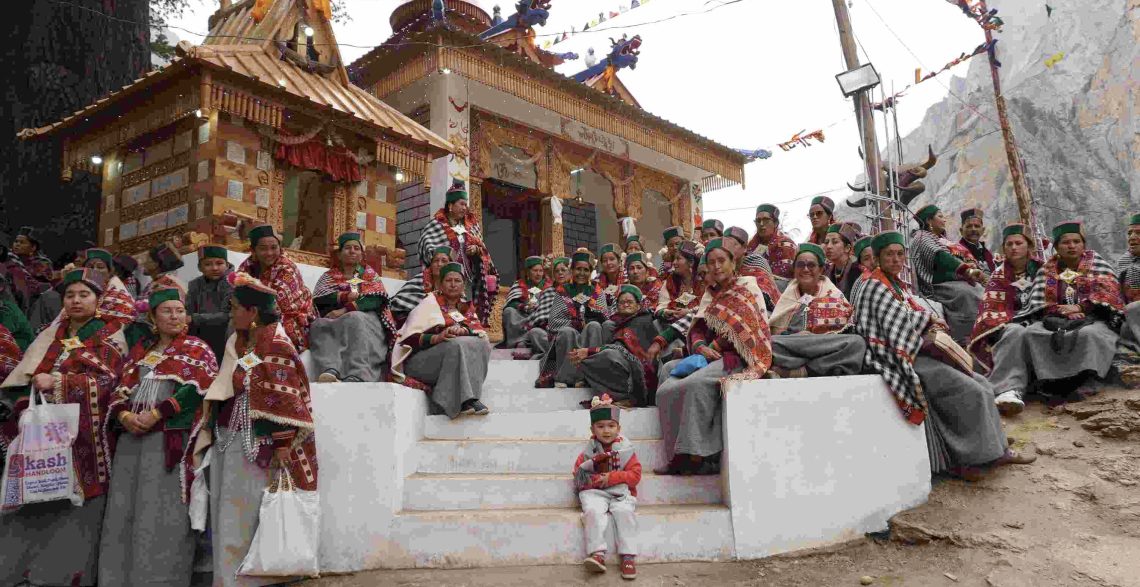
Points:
(946, 273)
(522, 299)
(775, 246)
(973, 229)
(810, 324)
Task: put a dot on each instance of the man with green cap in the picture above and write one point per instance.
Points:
(973, 229)
(456, 226)
(946, 273)
(522, 300)
(572, 316)
(822, 215)
(208, 298)
(775, 246)
(1128, 268)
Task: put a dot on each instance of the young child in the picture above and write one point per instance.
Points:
(208, 299)
(606, 475)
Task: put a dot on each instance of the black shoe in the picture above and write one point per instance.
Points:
(480, 409)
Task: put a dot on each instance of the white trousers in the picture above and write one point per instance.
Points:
(596, 503)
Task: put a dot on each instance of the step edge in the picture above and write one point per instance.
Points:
(642, 509)
(566, 476)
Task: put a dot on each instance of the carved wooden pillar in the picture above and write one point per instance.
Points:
(277, 200)
(552, 233)
(475, 198)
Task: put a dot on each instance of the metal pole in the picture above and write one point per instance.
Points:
(863, 113)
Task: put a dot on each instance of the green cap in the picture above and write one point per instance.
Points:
(635, 258)
(770, 209)
(458, 191)
(825, 202)
(101, 254)
(632, 290)
(212, 252)
(671, 233)
(1134, 220)
(716, 243)
(607, 248)
(735, 232)
(344, 238)
(452, 267)
(532, 261)
(926, 213)
(261, 231)
(1013, 229)
(884, 239)
(251, 293)
(166, 294)
(848, 231)
(716, 225)
(442, 250)
(602, 409)
(581, 257)
(633, 238)
(97, 281)
(861, 244)
(559, 260)
(969, 213)
(813, 249)
(1071, 227)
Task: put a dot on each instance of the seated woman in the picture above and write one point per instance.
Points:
(536, 337)
(1007, 294)
(865, 256)
(1074, 311)
(443, 349)
(572, 315)
(1128, 270)
(838, 246)
(256, 420)
(57, 543)
(611, 276)
(637, 269)
(621, 367)
(294, 300)
(753, 265)
(963, 428)
(946, 273)
(352, 336)
(810, 322)
(146, 537)
(415, 289)
(731, 333)
(678, 298)
(522, 299)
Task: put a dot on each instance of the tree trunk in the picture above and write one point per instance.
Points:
(60, 57)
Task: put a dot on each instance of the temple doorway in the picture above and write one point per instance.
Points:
(512, 226)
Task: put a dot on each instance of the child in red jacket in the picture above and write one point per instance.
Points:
(606, 475)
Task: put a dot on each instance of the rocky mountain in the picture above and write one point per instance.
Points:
(1077, 123)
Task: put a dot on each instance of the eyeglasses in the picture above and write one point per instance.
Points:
(817, 214)
(763, 221)
(809, 265)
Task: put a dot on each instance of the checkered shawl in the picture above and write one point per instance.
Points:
(763, 274)
(781, 254)
(736, 313)
(520, 291)
(336, 281)
(10, 353)
(893, 329)
(924, 249)
(440, 233)
(1000, 303)
(557, 309)
(1096, 284)
(1128, 268)
(409, 296)
(294, 300)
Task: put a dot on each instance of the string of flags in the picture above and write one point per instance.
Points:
(603, 16)
(803, 139)
(986, 18)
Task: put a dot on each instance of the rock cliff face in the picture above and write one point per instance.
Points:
(1077, 124)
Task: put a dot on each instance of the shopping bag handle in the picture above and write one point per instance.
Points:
(282, 481)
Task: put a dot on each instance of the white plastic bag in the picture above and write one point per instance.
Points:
(199, 508)
(39, 464)
(287, 541)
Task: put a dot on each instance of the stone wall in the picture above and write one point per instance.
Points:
(413, 212)
(579, 225)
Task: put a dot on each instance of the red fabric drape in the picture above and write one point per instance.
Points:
(335, 162)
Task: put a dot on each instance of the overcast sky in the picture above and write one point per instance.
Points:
(748, 74)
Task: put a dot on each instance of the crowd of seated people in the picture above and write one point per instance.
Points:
(176, 373)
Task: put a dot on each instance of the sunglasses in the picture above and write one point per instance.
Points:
(806, 265)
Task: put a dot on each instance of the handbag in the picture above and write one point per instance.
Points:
(287, 541)
(39, 467)
(689, 365)
(1064, 338)
(947, 350)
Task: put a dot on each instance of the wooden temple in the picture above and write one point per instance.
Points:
(258, 123)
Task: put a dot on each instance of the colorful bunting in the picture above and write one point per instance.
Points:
(800, 138)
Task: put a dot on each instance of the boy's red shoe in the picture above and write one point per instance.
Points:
(628, 566)
(595, 563)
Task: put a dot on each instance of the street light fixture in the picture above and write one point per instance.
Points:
(857, 80)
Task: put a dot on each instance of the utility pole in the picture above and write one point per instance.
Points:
(1020, 186)
(864, 117)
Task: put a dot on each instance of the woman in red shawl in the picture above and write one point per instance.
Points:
(256, 419)
(147, 538)
(56, 543)
(116, 304)
(294, 301)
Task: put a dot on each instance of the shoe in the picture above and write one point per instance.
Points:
(628, 567)
(468, 408)
(581, 385)
(329, 376)
(352, 379)
(560, 385)
(544, 382)
(1010, 403)
(479, 408)
(1012, 457)
(595, 563)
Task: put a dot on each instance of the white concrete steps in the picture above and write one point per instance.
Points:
(510, 375)
(555, 536)
(533, 399)
(637, 424)
(517, 456)
(433, 492)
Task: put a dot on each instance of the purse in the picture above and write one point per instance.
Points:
(1064, 338)
(947, 350)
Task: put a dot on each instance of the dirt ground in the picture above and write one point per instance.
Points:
(1070, 519)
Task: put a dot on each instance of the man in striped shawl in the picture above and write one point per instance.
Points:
(1074, 313)
(946, 272)
(775, 246)
(1128, 268)
(455, 226)
(522, 300)
(963, 428)
(414, 289)
(572, 316)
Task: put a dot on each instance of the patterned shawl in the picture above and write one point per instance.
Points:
(610, 290)
(620, 452)
(520, 291)
(116, 304)
(737, 313)
(558, 309)
(186, 361)
(10, 353)
(1096, 283)
(294, 300)
(828, 312)
(410, 294)
(780, 252)
(892, 323)
(368, 284)
(923, 253)
(650, 292)
(429, 316)
(763, 279)
(439, 232)
(673, 290)
(1004, 298)
(1128, 268)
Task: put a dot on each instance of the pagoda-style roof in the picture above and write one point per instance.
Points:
(423, 35)
(270, 62)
